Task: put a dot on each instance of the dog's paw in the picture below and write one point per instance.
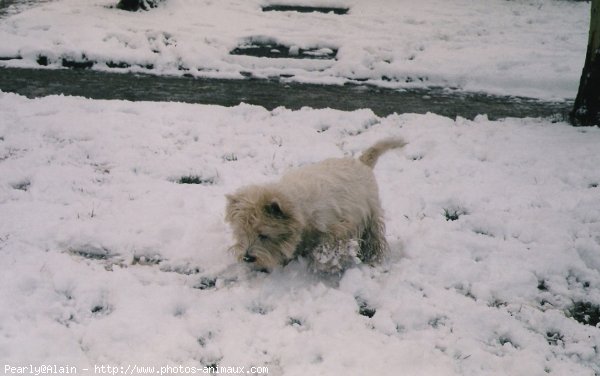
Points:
(335, 258)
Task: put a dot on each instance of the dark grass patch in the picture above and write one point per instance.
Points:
(85, 63)
(464, 291)
(210, 366)
(437, 322)
(364, 309)
(203, 340)
(323, 129)
(554, 338)
(585, 313)
(146, 260)
(497, 303)
(259, 309)
(180, 269)
(179, 311)
(503, 340)
(453, 214)
(545, 304)
(67, 321)
(91, 252)
(196, 179)
(22, 185)
(8, 58)
(480, 231)
(230, 157)
(262, 47)
(575, 281)
(101, 310)
(42, 60)
(304, 9)
(409, 79)
(206, 283)
(117, 64)
(77, 64)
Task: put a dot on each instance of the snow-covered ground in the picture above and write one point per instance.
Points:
(107, 260)
(520, 47)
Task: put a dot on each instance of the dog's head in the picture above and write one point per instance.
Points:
(266, 226)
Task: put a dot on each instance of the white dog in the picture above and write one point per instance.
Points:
(328, 212)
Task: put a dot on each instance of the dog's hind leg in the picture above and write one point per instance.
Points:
(373, 246)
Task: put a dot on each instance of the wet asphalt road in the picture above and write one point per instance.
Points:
(271, 94)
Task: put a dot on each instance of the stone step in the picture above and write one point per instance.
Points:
(261, 47)
(305, 9)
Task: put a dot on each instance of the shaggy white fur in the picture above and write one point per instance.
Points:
(328, 212)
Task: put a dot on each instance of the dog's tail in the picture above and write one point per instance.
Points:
(372, 154)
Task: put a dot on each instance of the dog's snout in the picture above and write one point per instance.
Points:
(249, 258)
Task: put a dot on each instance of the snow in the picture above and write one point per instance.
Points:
(530, 48)
(107, 260)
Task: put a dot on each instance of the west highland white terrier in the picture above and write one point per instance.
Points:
(328, 212)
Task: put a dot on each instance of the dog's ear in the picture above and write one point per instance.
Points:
(274, 210)
(231, 207)
(232, 199)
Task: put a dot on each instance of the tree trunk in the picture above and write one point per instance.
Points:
(586, 111)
